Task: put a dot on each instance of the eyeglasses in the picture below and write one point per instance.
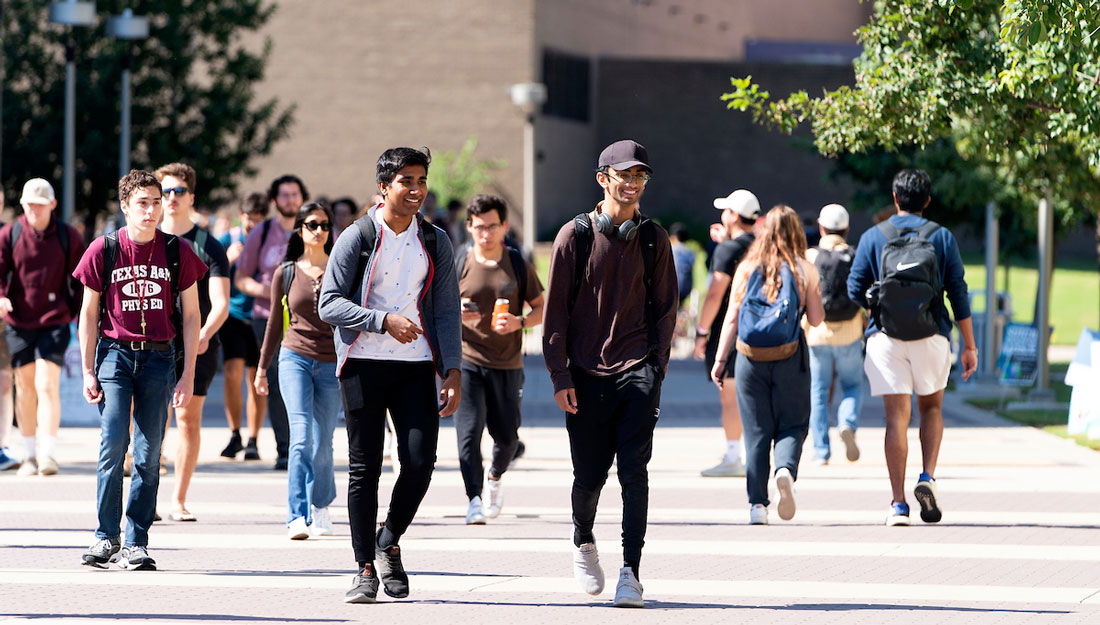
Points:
(176, 190)
(313, 226)
(491, 229)
(641, 179)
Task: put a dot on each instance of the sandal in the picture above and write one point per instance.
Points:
(181, 516)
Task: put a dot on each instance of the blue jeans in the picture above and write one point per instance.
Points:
(847, 362)
(311, 394)
(145, 380)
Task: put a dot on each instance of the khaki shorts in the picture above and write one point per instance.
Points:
(896, 367)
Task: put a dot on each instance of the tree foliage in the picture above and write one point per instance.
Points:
(460, 175)
(193, 97)
(1014, 84)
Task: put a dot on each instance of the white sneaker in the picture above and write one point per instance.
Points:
(628, 594)
(297, 530)
(587, 569)
(322, 522)
(851, 450)
(48, 466)
(474, 515)
(496, 499)
(28, 468)
(784, 483)
(726, 468)
(758, 514)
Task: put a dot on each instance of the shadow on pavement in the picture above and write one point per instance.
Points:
(208, 618)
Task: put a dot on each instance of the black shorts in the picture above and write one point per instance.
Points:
(206, 367)
(29, 345)
(238, 341)
(712, 354)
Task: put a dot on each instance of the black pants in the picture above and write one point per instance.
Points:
(407, 390)
(774, 401)
(276, 411)
(615, 417)
(490, 397)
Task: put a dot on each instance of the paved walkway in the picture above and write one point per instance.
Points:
(1019, 542)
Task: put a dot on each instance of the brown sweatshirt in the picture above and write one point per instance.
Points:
(605, 333)
(307, 334)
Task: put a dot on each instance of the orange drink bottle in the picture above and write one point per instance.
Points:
(499, 308)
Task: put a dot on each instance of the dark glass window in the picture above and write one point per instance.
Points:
(566, 77)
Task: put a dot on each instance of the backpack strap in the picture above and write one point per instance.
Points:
(519, 267)
(460, 260)
(888, 229)
(16, 230)
(928, 229)
(582, 233)
(289, 269)
(429, 238)
(648, 239)
(369, 234)
(110, 255)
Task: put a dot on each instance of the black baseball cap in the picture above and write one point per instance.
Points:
(624, 155)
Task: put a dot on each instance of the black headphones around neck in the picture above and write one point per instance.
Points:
(626, 230)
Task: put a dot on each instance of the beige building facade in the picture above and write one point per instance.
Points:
(366, 75)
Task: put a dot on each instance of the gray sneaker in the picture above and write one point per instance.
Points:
(136, 558)
(364, 589)
(726, 468)
(101, 554)
(628, 594)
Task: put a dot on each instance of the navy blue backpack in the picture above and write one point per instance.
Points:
(762, 324)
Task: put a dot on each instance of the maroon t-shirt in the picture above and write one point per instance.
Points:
(140, 279)
(35, 275)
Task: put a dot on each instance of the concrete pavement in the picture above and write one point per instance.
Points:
(1019, 542)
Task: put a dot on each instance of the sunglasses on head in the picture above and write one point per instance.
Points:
(176, 190)
(312, 226)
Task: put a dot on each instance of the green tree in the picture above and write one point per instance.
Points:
(193, 96)
(460, 175)
(1014, 84)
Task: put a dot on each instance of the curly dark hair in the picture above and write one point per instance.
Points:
(136, 179)
(483, 203)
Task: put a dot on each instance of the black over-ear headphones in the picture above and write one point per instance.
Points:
(627, 230)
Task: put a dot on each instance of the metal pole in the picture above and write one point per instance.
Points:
(529, 183)
(124, 122)
(68, 197)
(1042, 321)
(992, 241)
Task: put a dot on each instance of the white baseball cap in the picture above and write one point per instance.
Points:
(37, 191)
(742, 202)
(833, 217)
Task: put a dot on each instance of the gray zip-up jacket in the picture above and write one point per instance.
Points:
(344, 296)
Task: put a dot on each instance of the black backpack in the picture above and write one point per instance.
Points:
(172, 254)
(370, 238)
(519, 267)
(73, 290)
(582, 228)
(834, 267)
(909, 290)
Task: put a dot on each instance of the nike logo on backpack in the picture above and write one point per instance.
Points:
(904, 266)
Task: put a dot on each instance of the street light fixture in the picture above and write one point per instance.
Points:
(70, 13)
(128, 28)
(529, 96)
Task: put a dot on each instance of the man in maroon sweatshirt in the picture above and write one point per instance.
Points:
(38, 254)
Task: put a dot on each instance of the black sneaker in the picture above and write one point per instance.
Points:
(233, 448)
(136, 558)
(388, 562)
(280, 463)
(364, 589)
(101, 554)
(925, 492)
(250, 450)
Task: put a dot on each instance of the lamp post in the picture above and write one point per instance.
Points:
(528, 97)
(128, 28)
(70, 13)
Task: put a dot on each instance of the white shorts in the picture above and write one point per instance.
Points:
(896, 367)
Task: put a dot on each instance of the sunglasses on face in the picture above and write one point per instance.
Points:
(313, 226)
(176, 190)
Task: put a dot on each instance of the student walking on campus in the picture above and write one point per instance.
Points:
(307, 371)
(240, 349)
(773, 287)
(492, 340)
(177, 182)
(836, 346)
(608, 325)
(263, 251)
(902, 270)
(740, 209)
(132, 278)
(38, 299)
(391, 291)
